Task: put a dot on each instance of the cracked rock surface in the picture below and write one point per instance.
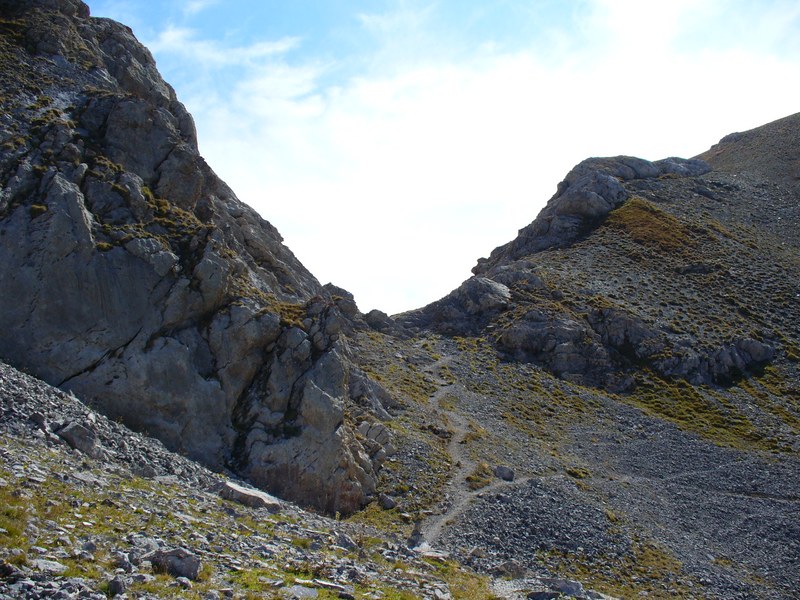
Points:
(135, 278)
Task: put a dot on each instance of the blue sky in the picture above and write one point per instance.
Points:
(394, 142)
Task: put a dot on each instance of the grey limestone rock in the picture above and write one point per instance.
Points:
(178, 562)
(504, 472)
(567, 347)
(150, 290)
(721, 366)
(248, 496)
(117, 586)
(380, 321)
(81, 438)
(464, 309)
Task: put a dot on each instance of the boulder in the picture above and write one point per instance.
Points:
(249, 497)
(470, 306)
(81, 438)
(178, 562)
(503, 472)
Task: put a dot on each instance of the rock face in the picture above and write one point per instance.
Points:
(464, 309)
(134, 277)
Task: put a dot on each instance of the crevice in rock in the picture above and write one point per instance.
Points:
(95, 364)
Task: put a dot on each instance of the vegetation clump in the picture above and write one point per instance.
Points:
(646, 224)
(480, 477)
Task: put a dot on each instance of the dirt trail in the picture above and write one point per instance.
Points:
(458, 494)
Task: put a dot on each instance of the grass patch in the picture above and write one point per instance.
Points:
(480, 477)
(650, 226)
(388, 521)
(648, 568)
(699, 409)
(464, 585)
(13, 517)
(578, 472)
(37, 210)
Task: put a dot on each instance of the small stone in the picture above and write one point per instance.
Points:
(509, 568)
(503, 472)
(387, 502)
(345, 541)
(299, 592)
(184, 583)
(249, 496)
(564, 586)
(50, 567)
(117, 586)
(178, 562)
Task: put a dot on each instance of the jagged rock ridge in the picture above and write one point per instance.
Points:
(133, 276)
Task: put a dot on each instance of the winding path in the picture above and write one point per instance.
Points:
(458, 494)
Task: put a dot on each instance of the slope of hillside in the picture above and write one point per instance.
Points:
(633, 356)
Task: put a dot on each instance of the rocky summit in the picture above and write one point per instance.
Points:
(608, 407)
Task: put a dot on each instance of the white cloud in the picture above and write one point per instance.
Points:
(195, 6)
(393, 182)
(183, 42)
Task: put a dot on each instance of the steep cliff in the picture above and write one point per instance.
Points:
(133, 276)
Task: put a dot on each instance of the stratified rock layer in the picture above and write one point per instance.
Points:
(133, 276)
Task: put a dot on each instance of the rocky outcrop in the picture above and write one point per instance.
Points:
(564, 346)
(588, 193)
(603, 348)
(465, 309)
(134, 277)
(722, 366)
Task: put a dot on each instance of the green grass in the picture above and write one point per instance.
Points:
(480, 477)
(650, 226)
(37, 210)
(464, 585)
(700, 409)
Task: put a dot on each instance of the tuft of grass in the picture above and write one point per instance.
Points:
(578, 472)
(480, 477)
(37, 210)
(13, 519)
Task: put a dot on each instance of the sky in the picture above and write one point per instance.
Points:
(394, 142)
